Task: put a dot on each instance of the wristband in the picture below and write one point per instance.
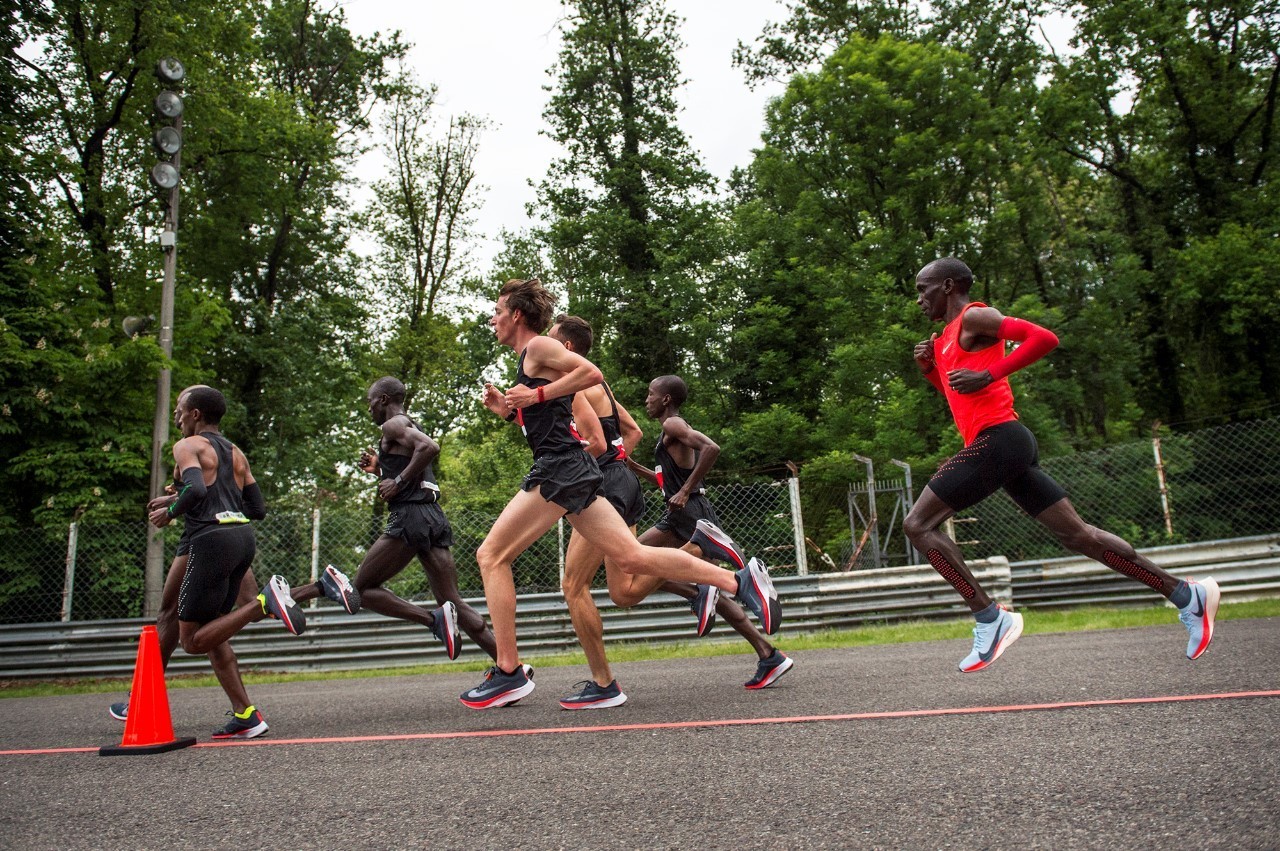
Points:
(541, 396)
(399, 480)
(511, 417)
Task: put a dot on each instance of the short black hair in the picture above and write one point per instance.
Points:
(576, 330)
(953, 268)
(673, 386)
(209, 402)
(390, 386)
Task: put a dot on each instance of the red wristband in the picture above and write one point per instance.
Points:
(541, 396)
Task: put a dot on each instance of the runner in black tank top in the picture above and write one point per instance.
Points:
(690, 523)
(404, 463)
(221, 548)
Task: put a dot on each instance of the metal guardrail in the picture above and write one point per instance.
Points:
(1246, 568)
(335, 640)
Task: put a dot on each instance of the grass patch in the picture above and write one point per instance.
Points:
(1039, 621)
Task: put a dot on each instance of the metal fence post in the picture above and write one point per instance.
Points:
(315, 551)
(69, 580)
(1164, 485)
(560, 547)
(912, 554)
(797, 521)
(873, 517)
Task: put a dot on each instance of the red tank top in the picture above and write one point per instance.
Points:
(992, 404)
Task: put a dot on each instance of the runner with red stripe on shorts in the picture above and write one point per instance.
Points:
(564, 481)
(968, 365)
(683, 457)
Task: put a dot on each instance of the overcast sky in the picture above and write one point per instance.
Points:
(490, 59)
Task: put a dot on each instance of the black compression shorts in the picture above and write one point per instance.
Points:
(572, 479)
(1002, 456)
(217, 561)
(622, 489)
(681, 523)
(422, 525)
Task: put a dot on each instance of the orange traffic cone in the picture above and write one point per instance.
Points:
(148, 727)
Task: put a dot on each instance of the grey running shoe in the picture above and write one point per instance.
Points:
(768, 670)
(756, 592)
(445, 627)
(249, 727)
(1198, 615)
(338, 588)
(716, 544)
(498, 689)
(120, 711)
(704, 608)
(591, 695)
(277, 603)
(990, 640)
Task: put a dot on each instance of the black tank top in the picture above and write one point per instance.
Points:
(671, 476)
(548, 426)
(615, 452)
(421, 488)
(223, 504)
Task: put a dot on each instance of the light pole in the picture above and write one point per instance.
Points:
(165, 175)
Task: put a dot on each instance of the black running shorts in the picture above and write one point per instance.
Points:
(217, 561)
(572, 479)
(1002, 456)
(682, 522)
(622, 489)
(422, 525)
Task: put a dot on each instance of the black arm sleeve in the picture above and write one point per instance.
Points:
(255, 507)
(193, 490)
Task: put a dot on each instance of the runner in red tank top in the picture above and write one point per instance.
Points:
(969, 367)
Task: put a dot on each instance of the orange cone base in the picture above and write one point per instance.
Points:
(127, 750)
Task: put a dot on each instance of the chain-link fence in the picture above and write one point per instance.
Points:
(1212, 484)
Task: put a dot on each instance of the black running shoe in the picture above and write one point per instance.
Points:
(120, 711)
(716, 544)
(498, 689)
(338, 588)
(769, 670)
(755, 591)
(250, 726)
(592, 695)
(277, 603)
(445, 627)
(704, 608)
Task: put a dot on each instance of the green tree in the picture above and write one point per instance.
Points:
(1172, 106)
(422, 218)
(626, 211)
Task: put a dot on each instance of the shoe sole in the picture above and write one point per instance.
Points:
(602, 703)
(349, 600)
(249, 733)
(1008, 638)
(762, 585)
(707, 615)
(452, 638)
(112, 713)
(1212, 595)
(774, 674)
(504, 699)
(723, 546)
(296, 622)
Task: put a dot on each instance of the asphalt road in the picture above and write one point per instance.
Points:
(1201, 771)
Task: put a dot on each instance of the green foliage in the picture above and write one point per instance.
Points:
(623, 220)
